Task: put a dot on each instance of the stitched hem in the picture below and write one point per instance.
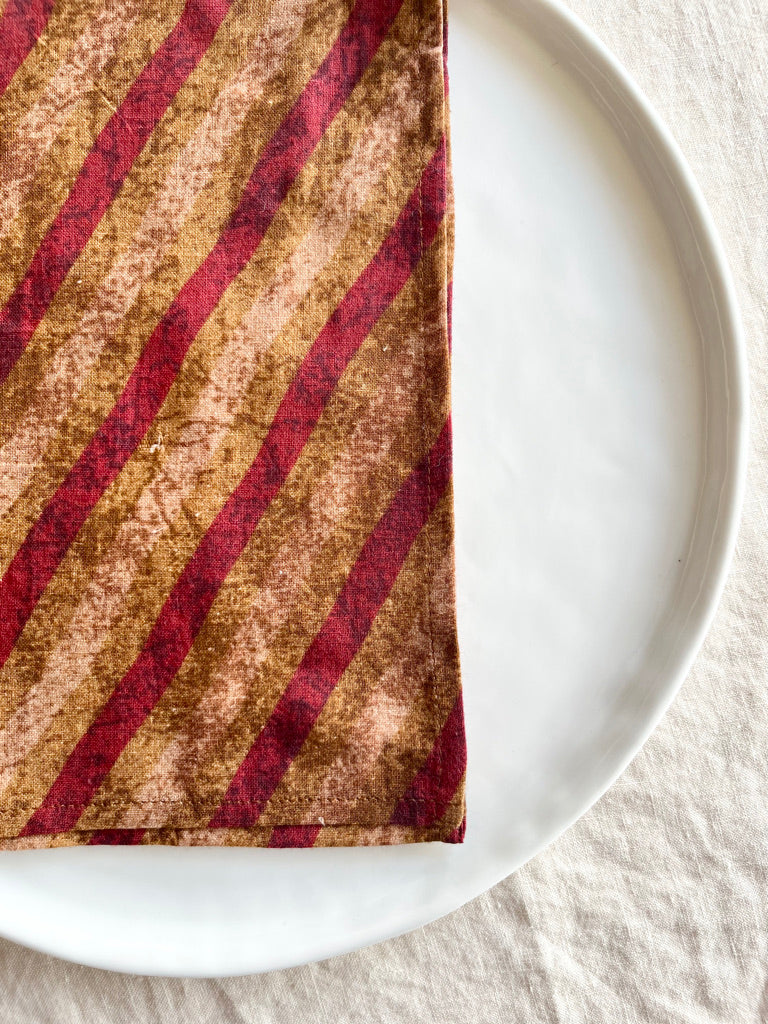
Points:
(277, 836)
(295, 802)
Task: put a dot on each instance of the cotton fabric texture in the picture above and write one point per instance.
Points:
(225, 454)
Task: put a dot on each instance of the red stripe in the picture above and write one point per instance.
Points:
(104, 171)
(457, 836)
(285, 836)
(187, 606)
(117, 837)
(429, 795)
(21, 25)
(47, 542)
(339, 639)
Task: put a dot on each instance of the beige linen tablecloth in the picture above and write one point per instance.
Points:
(654, 907)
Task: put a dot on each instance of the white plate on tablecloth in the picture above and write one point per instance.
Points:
(600, 435)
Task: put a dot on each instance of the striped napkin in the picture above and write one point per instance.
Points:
(227, 608)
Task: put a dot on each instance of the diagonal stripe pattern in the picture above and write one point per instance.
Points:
(334, 647)
(233, 393)
(104, 171)
(159, 364)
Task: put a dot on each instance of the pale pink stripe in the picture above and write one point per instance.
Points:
(207, 425)
(203, 837)
(42, 123)
(368, 835)
(380, 720)
(72, 363)
(281, 588)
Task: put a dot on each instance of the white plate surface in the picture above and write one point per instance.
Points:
(599, 427)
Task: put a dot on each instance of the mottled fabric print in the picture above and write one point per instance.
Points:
(226, 544)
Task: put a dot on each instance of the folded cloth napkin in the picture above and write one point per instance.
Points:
(227, 595)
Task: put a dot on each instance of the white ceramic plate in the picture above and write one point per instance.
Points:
(600, 436)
